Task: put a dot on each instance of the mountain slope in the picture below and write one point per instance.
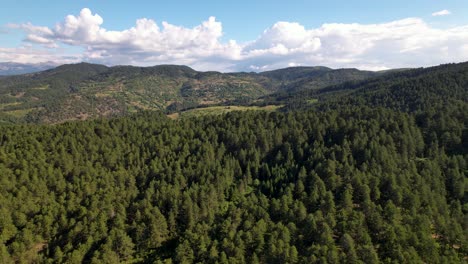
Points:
(371, 171)
(354, 185)
(311, 78)
(81, 91)
(409, 90)
(436, 97)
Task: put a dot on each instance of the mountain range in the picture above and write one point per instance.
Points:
(82, 91)
(14, 68)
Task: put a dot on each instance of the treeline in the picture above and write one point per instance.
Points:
(352, 185)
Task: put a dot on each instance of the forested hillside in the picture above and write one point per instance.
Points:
(417, 90)
(341, 186)
(312, 78)
(86, 91)
(371, 171)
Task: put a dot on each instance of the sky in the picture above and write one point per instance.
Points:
(236, 35)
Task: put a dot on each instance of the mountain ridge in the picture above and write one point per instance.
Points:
(85, 90)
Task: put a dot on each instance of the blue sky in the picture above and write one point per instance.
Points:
(245, 35)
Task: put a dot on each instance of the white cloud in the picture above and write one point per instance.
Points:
(29, 54)
(30, 28)
(444, 12)
(403, 43)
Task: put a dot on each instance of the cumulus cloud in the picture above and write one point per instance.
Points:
(444, 12)
(402, 43)
(145, 43)
(408, 42)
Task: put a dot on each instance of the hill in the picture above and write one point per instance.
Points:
(409, 90)
(436, 97)
(311, 78)
(361, 184)
(82, 91)
(364, 171)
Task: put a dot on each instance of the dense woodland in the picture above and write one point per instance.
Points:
(376, 173)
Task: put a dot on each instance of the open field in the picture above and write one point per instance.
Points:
(20, 113)
(217, 110)
(2, 106)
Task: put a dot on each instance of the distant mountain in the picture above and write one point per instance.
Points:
(82, 91)
(13, 68)
(295, 73)
(320, 77)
